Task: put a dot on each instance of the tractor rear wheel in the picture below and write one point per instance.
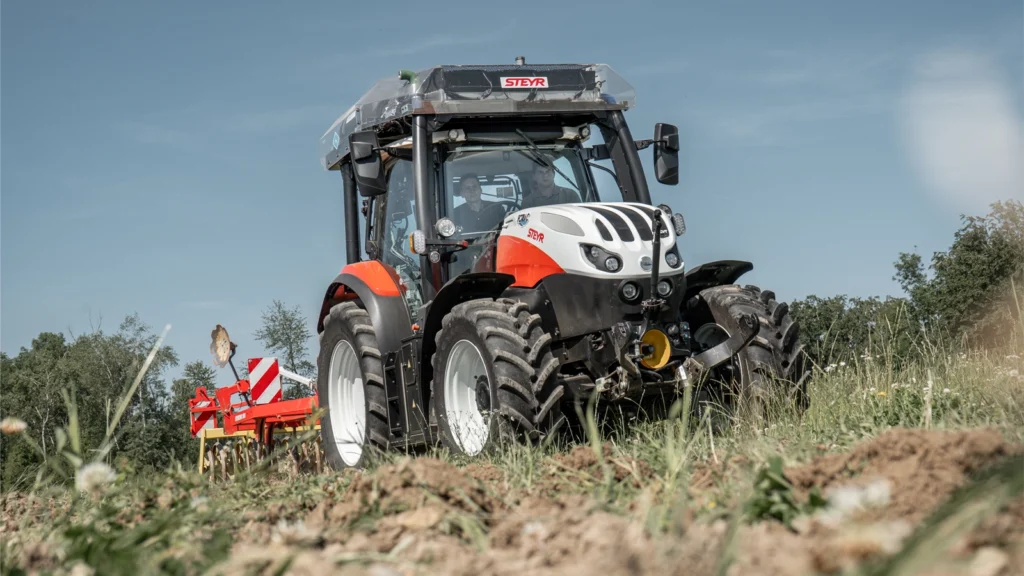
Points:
(350, 387)
(771, 371)
(494, 376)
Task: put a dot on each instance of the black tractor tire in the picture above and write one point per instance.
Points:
(347, 322)
(772, 370)
(520, 398)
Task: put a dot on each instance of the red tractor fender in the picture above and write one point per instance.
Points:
(380, 291)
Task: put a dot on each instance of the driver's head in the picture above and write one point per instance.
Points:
(469, 188)
(543, 176)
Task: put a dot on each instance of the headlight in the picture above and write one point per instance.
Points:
(664, 288)
(445, 227)
(630, 291)
(600, 258)
(672, 258)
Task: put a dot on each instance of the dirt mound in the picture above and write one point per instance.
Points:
(583, 459)
(921, 467)
(414, 495)
(486, 473)
(706, 475)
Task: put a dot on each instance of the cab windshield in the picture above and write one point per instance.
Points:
(485, 183)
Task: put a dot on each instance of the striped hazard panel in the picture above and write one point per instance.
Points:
(202, 420)
(264, 380)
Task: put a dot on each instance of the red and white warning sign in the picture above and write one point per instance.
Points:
(202, 420)
(264, 380)
(524, 81)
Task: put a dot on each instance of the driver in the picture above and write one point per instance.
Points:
(544, 190)
(472, 216)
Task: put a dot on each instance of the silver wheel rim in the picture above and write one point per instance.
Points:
(347, 407)
(468, 427)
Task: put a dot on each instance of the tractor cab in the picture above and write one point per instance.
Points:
(444, 155)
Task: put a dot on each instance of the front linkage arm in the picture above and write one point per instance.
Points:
(744, 328)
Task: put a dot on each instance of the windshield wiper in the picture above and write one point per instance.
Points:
(537, 158)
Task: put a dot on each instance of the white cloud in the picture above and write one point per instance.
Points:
(961, 131)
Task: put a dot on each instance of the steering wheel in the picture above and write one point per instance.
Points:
(506, 206)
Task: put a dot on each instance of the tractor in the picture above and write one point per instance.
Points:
(493, 283)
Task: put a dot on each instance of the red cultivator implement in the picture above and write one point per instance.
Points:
(260, 412)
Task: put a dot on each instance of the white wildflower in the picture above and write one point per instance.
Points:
(842, 363)
(845, 500)
(93, 477)
(82, 569)
(945, 390)
(1014, 373)
(876, 493)
(294, 534)
(12, 425)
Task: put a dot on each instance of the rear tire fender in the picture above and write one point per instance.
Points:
(389, 315)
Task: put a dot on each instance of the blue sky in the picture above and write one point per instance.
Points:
(161, 157)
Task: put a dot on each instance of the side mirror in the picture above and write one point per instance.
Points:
(666, 153)
(366, 163)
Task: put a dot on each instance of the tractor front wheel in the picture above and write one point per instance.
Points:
(350, 387)
(494, 376)
(771, 371)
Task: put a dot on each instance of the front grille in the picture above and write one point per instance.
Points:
(618, 224)
(642, 225)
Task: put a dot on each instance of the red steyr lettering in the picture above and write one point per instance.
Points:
(534, 235)
(525, 82)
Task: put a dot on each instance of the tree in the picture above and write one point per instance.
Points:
(969, 293)
(96, 369)
(286, 334)
(196, 375)
(840, 328)
(32, 384)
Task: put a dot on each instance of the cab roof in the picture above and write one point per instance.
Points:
(466, 90)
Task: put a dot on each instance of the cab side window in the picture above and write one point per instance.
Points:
(397, 220)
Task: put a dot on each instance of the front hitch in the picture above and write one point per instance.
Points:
(744, 328)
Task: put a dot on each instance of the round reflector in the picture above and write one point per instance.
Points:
(662, 349)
